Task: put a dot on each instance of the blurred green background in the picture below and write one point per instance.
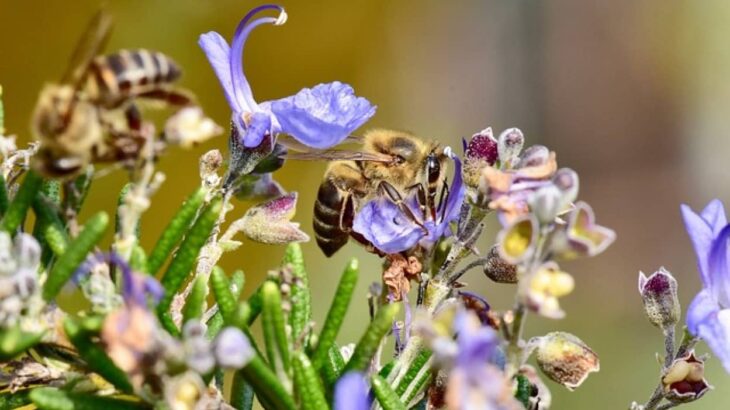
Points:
(632, 94)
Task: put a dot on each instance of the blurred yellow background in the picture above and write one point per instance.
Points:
(632, 95)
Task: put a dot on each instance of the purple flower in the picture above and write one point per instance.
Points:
(708, 315)
(318, 117)
(386, 226)
(475, 382)
(351, 393)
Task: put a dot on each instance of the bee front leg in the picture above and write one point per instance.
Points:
(390, 192)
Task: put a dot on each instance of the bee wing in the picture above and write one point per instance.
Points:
(339, 155)
(92, 42)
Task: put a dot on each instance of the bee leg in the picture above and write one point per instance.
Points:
(443, 200)
(170, 96)
(134, 117)
(389, 191)
(347, 214)
(423, 203)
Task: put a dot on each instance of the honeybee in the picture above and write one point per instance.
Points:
(91, 115)
(392, 164)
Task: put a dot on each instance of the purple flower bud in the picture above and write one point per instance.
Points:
(270, 222)
(509, 145)
(482, 146)
(232, 349)
(565, 359)
(534, 156)
(659, 293)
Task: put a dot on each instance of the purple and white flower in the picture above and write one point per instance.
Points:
(708, 316)
(385, 225)
(318, 117)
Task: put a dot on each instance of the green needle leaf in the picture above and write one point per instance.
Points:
(333, 366)
(50, 398)
(368, 344)
(266, 384)
(307, 384)
(184, 259)
(274, 326)
(18, 207)
(223, 295)
(14, 341)
(174, 231)
(56, 239)
(241, 393)
(75, 254)
(138, 259)
(95, 357)
(14, 400)
(46, 207)
(215, 323)
(417, 366)
(3, 196)
(301, 309)
(523, 390)
(336, 314)
(195, 304)
(387, 398)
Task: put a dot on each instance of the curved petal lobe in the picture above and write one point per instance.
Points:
(383, 224)
(323, 116)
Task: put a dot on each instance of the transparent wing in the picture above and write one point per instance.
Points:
(89, 46)
(339, 155)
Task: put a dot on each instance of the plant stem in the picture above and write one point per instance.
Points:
(514, 342)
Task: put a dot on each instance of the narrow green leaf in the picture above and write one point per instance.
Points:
(3, 196)
(419, 384)
(307, 384)
(267, 385)
(333, 366)
(75, 255)
(18, 207)
(301, 309)
(56, 239)
(241, 393)
(421, 360)
(223, 295)
(51, 398)
(184, 259)
(14, 341)
(215, 323)
(368, 344)
(76, 191)
(385, 395)
(195, 304)
(95, 357)
(46, 206)
(138, 259)
(277, 343)
(14, 400)
(336, 314)
(255, 303)
(174, 231)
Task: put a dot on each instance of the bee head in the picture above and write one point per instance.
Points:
(53, 110)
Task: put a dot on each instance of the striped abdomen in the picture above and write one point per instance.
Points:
(333, 215)
(115, 78)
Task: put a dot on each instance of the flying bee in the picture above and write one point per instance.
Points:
(91, 115)
(392, 164)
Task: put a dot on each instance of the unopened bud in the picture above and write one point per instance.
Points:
(684, 380)
(546, 203)
(270, 222)
(232, 349)
(659, 294)
(480, 152)
(498, 269)
(565, 359)
(509, 145)
(534, 156)
(566, 180)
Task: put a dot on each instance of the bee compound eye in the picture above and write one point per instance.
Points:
(433, 169)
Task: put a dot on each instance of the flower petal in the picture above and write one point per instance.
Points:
(715, 331)
(383, 224)
(351, 393)
(255, 129)
(703, 307)
(218, 52)
(323, 116)
(701, 235)
(718, 270)
(714, 215)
